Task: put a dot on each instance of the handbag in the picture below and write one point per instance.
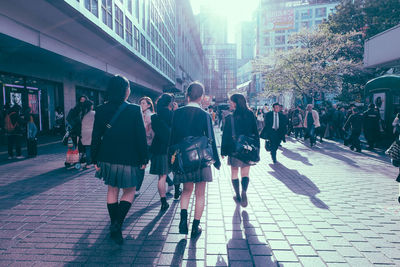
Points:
(394, 153)
(245, 147)
(192, 153)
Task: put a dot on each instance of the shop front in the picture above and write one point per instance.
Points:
(36, 97)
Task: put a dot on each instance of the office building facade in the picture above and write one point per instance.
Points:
(54, 51)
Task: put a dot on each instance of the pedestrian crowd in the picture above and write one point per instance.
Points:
(119, 139)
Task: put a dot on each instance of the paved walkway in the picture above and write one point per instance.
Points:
(316, 207)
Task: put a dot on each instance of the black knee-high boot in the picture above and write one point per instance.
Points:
(235, 184)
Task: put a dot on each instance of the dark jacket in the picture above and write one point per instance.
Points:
(192, 121)
(269, 121)
(125, 143)
(161, 124)
(243, 126)
(355, 121)
(16, 119)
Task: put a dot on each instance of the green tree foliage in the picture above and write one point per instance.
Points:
(368, 16)
(318, 62)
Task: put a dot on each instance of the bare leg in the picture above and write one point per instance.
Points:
(128, 194)
(244, 172)
(234, 172)
(200, 200)
(186, 193)
(161, 185)
(112, 194)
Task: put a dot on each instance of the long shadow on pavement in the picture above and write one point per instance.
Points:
(12, 194)
(247, 250)
(104, 251)
(295, 156)
(297, 183)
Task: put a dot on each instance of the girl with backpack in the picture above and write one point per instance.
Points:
(31, 137)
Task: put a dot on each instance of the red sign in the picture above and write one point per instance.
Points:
(278, 20)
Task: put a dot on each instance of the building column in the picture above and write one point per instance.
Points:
(69, 95)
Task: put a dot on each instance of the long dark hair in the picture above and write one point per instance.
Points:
(162, 103)
(241, 105)
(148, 101)
(116, 89)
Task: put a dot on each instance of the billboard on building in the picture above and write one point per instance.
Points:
(278, 20)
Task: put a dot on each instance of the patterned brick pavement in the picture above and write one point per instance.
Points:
(326, 206)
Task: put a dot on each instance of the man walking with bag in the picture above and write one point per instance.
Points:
(274, 130)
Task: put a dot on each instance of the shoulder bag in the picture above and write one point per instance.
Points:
(192, 153)
(244, 147)
(109, 125)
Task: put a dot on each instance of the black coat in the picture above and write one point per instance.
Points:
(125, 143)
(243, 126)
(354, 122)
(266, 133)
(192, 121)
(161, 125)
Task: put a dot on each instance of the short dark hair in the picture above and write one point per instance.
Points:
(275, 104)
(195, 90)
(116, 89)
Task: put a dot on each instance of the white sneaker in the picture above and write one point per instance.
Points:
(20, 157)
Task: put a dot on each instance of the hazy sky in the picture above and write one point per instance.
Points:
(234, 10)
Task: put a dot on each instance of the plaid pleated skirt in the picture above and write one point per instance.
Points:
(117, 175)
(159, 165)
(235, 162)
(202, 175)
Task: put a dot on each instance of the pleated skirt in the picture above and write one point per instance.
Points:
(235, 162)
(202, 175)
(117, 175)
(159, 165)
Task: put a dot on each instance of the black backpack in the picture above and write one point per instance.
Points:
(295, 120)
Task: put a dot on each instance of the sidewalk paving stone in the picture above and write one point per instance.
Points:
(325, 206)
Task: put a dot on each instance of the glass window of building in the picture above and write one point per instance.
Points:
(128, 30)
(136, 37)
(106, 12)
(153, 55)
(305, 25)
(142, 45)
(143, 15)
(137, 9)
(320, 12)
(130, 6)
(306, 14)
(119, 21)
(267, 41)
(92, 6)
(280, 40)
(318, 22)
(148, 48)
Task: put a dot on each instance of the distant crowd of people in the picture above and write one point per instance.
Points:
(17, 124)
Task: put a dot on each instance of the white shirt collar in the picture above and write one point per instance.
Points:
(193, 104)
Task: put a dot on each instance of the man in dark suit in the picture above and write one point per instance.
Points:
(274, 130)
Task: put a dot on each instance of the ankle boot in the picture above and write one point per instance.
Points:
(177, 191)
(183, 227)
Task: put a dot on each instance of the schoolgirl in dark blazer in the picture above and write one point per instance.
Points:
(119, 152)
(245, 123)
(161, 125)
(191, 120)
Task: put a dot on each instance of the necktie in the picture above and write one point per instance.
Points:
(275, 127)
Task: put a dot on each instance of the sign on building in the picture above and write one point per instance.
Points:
(278, 20)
